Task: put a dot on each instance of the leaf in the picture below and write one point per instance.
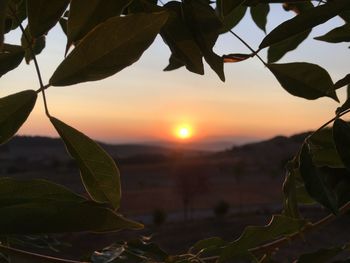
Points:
(226, 7)
(14, 191)
(60, 217)
(15, 14)
(232, 19)
(30, 44)
(84, 17)
(205, 27)
(322, 255)
(337, 35)
(10, 58)
(253, 236)
(304, 80)
(315, 183)
(237, 57)
(43, 15)
(305, 21)
(278, 50)
(180, 40)
(112, 46)
(259, 14)
(174, 63)
(290, 202)
(3, 7)
(341, 135)
(14, 110)
(323, 151)
(98, 170)
(343, 82)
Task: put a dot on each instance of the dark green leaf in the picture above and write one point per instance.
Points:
(10, 58)
(226, 7)
(209, 245)
(14, 191)
(233, 18)
(344, 107)
(278, 50)
(112, 46)
(238, 57)
(180, 41)
(174, 63)
(32, 45)
(253, 236)
(345, 16)
(3, 7)
(259, 14)
(305, 21)
(84, 17)
(323, 255)
(43, 15)
(63, 23)
(59, 217)
(323, 151)
(337, 35)
(14, 110)
(205, 27)
(16, 12)
(99, 172)
(315, 182)
(343, 82)
(341, 135)
(304, 80)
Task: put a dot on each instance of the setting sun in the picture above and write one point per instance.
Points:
(184, 132)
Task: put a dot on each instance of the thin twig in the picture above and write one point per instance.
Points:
(42, 86)
(249, 47)
(34, 256)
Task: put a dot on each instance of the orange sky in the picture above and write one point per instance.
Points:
(143, 103)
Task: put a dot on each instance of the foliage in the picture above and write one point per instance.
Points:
(105, 37)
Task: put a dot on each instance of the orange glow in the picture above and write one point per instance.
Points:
(184, 132)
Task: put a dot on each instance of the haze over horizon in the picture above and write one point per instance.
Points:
(142, 103)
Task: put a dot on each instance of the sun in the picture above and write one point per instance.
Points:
(184, 132)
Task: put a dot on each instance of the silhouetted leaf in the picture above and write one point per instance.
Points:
(278, 50)
(253, 236)
(292, 77)
(259, 14)
(3, 7)
(205, 27)
(10, 58)
(111, 46)
(63, 23)
(290, 202)
(16, 12)
(344, 107)
(32, 44)
(323, 150)
(233, 18)
(84, 17)
(345, 16)
(322, 255)
(341, 135)
(99, 172)
(226, 7)
(59, 217)
(180, 41)
(343, 82)
(315, 182)
(305, 21)
(14, 110)
(14, 191)
(237, 57)
(43, 15)
(174, 63)
(337, 35)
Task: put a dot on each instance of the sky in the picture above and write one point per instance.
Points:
(142, 103)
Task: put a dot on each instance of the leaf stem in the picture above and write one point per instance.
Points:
(42, 86)
(34, 256)
(255, 53)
